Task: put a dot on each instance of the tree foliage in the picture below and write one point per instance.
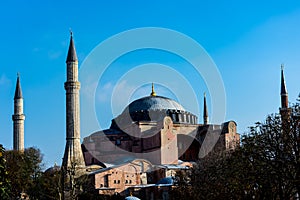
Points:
(50, 182)
(24, 170)
(4, 181)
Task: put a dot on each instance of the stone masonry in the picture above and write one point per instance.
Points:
(18, 118)
(73, 153)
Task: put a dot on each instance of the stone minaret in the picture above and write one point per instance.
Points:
(18, 118)
(73, 152)
(205, 112)
(284, 110)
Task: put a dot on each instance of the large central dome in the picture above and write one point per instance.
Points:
(152, 103)
(153, 108)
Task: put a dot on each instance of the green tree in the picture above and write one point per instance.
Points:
(50, 182)
(273, 150)
(24, 172)
(4, 181)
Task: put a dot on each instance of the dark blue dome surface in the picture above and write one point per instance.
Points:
(153, 103)
(131, 198)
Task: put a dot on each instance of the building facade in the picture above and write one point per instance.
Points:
(159, 130)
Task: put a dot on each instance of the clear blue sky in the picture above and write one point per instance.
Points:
(248, 41)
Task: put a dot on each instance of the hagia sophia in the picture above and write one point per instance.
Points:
(144, 147)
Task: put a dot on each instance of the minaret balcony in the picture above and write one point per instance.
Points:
(18, 117)
(72, 85)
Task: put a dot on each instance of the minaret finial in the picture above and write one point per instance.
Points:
(205, 112)
(18, 74)
(282, 66)
(153, 92)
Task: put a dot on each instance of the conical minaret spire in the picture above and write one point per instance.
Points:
(18, 118)
(72, 56)
(73, 153)
(205, 112)
(283, 91)
(18, 91)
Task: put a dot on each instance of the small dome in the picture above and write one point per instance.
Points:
(131, 198)
(151, 103)
(53, 169)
